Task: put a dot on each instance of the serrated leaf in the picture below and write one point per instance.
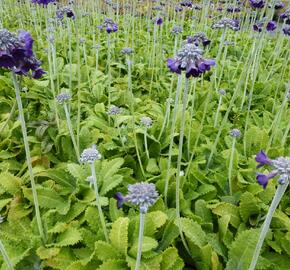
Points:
(105, 251)
(4, 202)
(46, 253)
(119, 234)
(48, 198)
(248, 206)
(64, 258)
(10, 183)
(171, 232)
(242, 249)
(192, 231)
(111, 183)
(148, 244)
(70, 237)
(223, 209)
(114, 265)
(170, 256)
(109, 168)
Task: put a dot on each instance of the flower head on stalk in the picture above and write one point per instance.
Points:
(190, 59)
(233, 9)
(65, 11)
(42, 2)
(280, 165)
(114, 110)
(186, 3)
(63, 97)
(279, 5)
(109, 25)
(176, 30)
(286, 30)
(90, 155)
(141, 194)
(16, 54)
(270, 27)
(146, 121)
(286, 16)
(257, 4)
(200, 38)
(127, 51)
(235, 133)
(158, 20)
(227, 23)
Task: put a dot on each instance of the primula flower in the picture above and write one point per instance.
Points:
(109, 25)
(286, 16)
(186, 3)
(176, 30)
(65, 11)
(63, 97)
(189, 58)
(271, 26)
(42, 2)
(286, 30)
(279, 5)
(257, 3)
(141, 194)
(280, 165)
(16, 54)
(89, 155)
(227, 23)
(200, 38)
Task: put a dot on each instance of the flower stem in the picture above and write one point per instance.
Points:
(28, 158)
(140, 241)
(101, 215)
(146, 144)
(276, 200)
(231, 166)
(67, 115)
(6, 257)
(217, 112)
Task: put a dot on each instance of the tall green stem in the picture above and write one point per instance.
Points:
(231, 166)
(140, 241)
(28, 158)
(69, 125)
(6, 257)
(265, 228)
(101, 215)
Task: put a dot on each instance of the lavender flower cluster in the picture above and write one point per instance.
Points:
(109, 25)
(281, 167)
(141, 194)
(16, 54)
(227, 23)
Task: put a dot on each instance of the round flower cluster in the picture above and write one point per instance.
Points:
(127, 51)
(186, 3)
(281, 167)
(65, 11)
(227, 23)
(141, 194)
(200, 38)
(271, 26)
(109, 25)
(286, 16)
(146, 121)
(42, 2)
(114, 110)
(63, 97)
(89, 155)
(189, 58)
(257, 3)
(16, 54)
(235, 133)
(176, 30)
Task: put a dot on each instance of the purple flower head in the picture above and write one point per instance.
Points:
(263, 159)
(263, 179)
(178, 8)
(257, 4)
(281, 167)
(279, 5)
(159, 21)
(286, 16)
(189, 59)
(176, 30)
(65, 11)
(42, 2)
(186, 3)
(227, 23)
(89, 155)
(109, 25)
(197, 7)
(127, 51)
(235, 133)
(286, 30)
(271, 26)
(63, 97)
(114, 110)
(258, 27)
(16, 54)
(141, 194)
(233, 9)
(200, 38)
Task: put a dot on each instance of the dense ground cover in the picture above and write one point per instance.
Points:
(112, 111)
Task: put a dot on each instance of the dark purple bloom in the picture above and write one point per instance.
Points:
(199, 38)
(16, 54)
(279, 5)
(233, 9)
(227, 23)
(271, 26)
(186, 3)
(109, 25)
(120, 199)
(189, 59)
(286, 16)
(286, 30)
(65, 11)
(263, 179)
(159, 21)
(257, 3)
(258, 27)
(176, 30)
(263, 159)
(42, 2)
(178, 8)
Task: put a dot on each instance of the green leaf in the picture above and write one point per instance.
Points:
(46, 253)
(242, 249)
(70, 237)
(10, 183)
(119, 234)
(148, 244)
(170, 256)
(48, 198)
(111, 183)
(223, 209)
(192, 231)
(113, 265)
(105, 251)
(248, 206)
(109, 168)
(4, 202)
